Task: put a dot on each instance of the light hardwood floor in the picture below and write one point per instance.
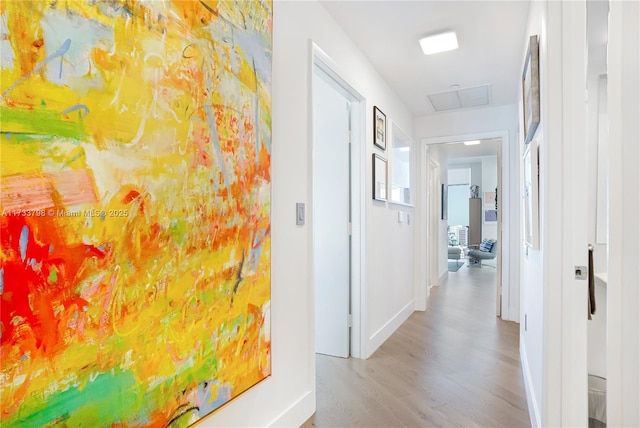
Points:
(454, 365)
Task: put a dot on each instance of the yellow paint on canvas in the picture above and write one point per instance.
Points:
(158, 287)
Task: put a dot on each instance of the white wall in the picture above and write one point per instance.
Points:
(554, 342)
(287, 398)
(532, 330)
(459, 175)
(490, 121)
(531, 333)
(469, 121)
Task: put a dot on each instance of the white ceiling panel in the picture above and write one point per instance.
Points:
(445, 100)
(491, 37)
(473, 97)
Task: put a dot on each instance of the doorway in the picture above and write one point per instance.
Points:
(494, 219)
(336, 210)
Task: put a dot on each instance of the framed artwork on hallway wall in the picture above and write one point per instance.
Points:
(531, 213)
(531, 90)
(490, 207)
(135, 191)
(379, 128)
(490, 199)
(379, 178)
(490, 216)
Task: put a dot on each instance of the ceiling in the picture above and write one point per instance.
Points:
(491, 39)
(458, 153)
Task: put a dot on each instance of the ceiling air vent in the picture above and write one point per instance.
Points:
(460, 98)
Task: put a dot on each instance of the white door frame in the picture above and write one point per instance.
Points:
(424, 227)
(563, 231)
(508, 309)
(623, 296)
(318, 58)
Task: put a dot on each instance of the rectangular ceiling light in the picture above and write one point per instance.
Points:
(439, 43)
(471, 143)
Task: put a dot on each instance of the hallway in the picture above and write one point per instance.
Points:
(454, 365)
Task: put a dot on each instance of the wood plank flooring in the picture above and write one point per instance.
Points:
(455, 365)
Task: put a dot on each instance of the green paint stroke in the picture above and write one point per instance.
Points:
(53, 275)
(26, 138)
(178, 230)
(115, 398)
(39, 122)
(109, 399)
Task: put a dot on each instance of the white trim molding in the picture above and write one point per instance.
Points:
(384, 332)
(510, 273)
(318, 58)
(529, 388)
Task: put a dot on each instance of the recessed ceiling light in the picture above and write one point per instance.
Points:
(471, 143)
(439, 43)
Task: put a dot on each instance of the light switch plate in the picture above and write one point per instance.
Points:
(300, 214)
(400, 216)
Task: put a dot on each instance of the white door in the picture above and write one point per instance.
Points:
(331, 207)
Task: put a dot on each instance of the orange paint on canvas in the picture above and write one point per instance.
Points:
(135, 195)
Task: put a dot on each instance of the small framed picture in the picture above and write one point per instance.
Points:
(490, 216)
(531, 91)
(379, 178)
(531, 213)
(379, 128)
(490, 198)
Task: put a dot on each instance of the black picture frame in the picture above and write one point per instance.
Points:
(531, 90)
(379, 175)
(379, 128)
(531, 189)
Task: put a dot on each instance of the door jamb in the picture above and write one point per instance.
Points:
(318, 58)
(508, 312)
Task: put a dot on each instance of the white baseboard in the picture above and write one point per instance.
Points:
(298, 413)
(534, 409)
(443, 278)
(380, 336)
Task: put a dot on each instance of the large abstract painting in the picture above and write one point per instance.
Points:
(135, 190)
